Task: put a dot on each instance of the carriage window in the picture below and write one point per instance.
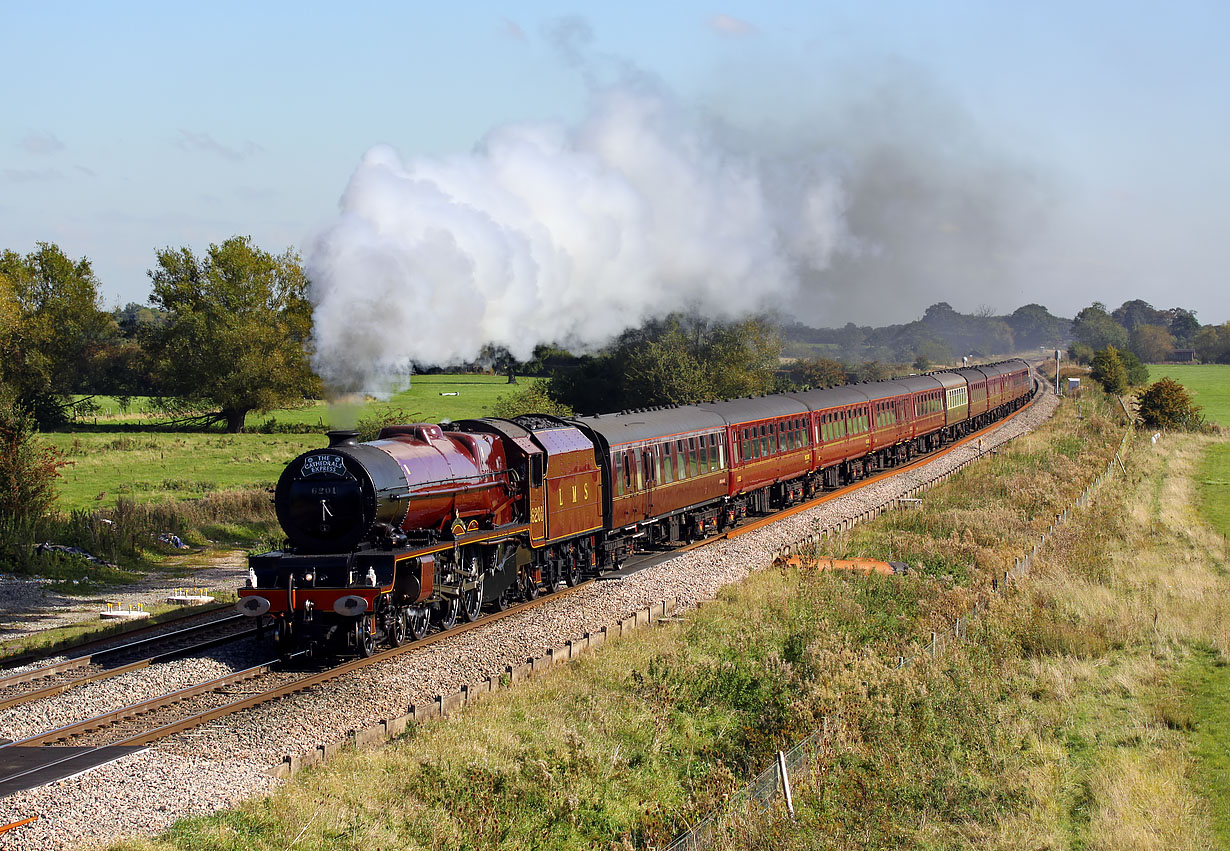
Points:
(711, 440)
(668, 464)
(764, 441)
(747, 445)
(617, 472)
(693, 467)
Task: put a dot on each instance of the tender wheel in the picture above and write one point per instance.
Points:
(502, 602)
(418, 621)
(446, 613)
(472, 603)
(364, 641)
(398, 629)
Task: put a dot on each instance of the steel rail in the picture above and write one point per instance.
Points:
(301, 684)
(152, 624)
(60, 688)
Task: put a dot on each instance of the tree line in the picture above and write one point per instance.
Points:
(228, 332)
(944, 335)
(225, 333)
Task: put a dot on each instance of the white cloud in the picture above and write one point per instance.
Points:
(726, 25)
(191, 140)
(42, 143)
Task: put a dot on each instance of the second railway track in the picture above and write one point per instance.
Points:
(58, 677)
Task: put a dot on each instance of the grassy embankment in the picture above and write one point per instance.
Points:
(1059, 725)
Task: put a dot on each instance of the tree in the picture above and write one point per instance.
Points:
(55, 329)
(1033, 326)
(1167, 404)
(1212, 343)
(672, 361)
(873, 371)
(817, 372)
(1151, 343)
(1132, 314)
(1109, 371)
(1183, 325)
(1094, 327)
(237, 335)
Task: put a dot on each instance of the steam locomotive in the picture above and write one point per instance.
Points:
(430, 523)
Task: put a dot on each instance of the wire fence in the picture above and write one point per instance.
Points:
(805, 760)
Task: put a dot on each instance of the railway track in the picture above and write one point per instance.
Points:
(126, 631)
(58, 677)
(149, 721)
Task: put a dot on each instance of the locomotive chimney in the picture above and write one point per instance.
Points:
(342, 437)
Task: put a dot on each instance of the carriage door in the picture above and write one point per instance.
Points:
(646, 471)
(537, 490)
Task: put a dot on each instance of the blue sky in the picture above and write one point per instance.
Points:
(1090, 138)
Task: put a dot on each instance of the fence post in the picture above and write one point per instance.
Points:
(785, 779)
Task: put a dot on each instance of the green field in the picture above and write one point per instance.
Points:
(1208, 383)
(149, 465)
(422, 401)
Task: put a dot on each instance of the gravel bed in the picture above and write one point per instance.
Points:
(211, 768)
(90, 699)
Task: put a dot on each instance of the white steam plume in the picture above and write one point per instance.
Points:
(556, 234)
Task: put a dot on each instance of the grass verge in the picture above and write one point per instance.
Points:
(631, 745)
(1213, 486)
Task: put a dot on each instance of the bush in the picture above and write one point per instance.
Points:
(1167, 404)
(533, 398)
(1109, 370)
(1080, 353)
(28, 471)
(1137, 372)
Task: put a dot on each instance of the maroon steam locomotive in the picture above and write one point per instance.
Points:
(431, 523)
